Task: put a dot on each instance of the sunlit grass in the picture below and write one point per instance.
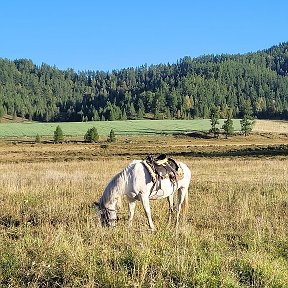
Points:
(235, 233)
(270, 126)
(129, 127)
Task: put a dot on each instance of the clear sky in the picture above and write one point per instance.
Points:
(114, 34)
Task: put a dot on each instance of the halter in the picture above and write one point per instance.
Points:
(106, 216)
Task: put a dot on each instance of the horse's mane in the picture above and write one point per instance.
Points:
(116, 186)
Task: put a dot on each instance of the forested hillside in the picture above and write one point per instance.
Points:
(255, 83)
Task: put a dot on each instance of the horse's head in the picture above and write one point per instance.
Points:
(107, 216)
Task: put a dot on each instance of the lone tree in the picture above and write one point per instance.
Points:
(112, 137)
(37, 139)
(91, 135)
(246, 125)
(228, 126)
(214, 119)
(58, 135)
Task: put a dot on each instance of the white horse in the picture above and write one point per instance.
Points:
(136, 183)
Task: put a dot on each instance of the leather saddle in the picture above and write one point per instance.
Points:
(163, 167)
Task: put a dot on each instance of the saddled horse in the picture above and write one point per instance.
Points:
(135, 181)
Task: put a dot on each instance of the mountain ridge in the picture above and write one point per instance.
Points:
(255, 83)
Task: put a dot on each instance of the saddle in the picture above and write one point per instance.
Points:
(161, 167)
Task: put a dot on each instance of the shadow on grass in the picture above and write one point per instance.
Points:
(281, 150)
(269, 151)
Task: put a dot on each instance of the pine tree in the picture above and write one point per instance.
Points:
(141, 109)
(140, 113)
(247, 108)
(95, 115)
(157, 115)
(112, 137)
(131, 112)
(95, 135)
(58, 135)
(123, 114)
(87, 136)
(37, 139)
(91, 135)
(2, 112)
(214, 119)
(228, 126)
(246, 125)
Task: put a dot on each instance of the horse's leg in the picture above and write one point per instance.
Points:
(145, 202)
(170, 202)
(180, 199)
(131, 208)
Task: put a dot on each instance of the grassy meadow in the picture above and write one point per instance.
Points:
(129, 127)
(234, 234)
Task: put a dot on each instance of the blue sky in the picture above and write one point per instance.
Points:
(106, 35)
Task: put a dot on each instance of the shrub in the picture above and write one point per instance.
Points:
(58, 135)
(112, 137)
(91, 135)
(37, 139)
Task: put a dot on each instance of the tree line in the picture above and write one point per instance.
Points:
(253, 84)
(91, 136)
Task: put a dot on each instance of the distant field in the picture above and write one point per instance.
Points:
(129, 127)
(271, 126)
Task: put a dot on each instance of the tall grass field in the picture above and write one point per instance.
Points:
(235, 232)
(129, 127)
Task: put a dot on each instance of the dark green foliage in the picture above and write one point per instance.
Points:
(58, 135)
(37, 139)
(2, 112)
(228, 126)
(95, 115)
(214, 119)
(91, 135)
(254, 84)
(249, 275)
(246, 125)
(112, 136)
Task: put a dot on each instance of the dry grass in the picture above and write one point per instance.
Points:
(271, 126)
(26, 150)
(235, 233)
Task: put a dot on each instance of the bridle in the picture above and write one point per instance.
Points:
(105, 216)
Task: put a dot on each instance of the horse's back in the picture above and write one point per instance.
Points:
(140, 176)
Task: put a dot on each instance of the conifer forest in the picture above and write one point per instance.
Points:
(254, 83)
